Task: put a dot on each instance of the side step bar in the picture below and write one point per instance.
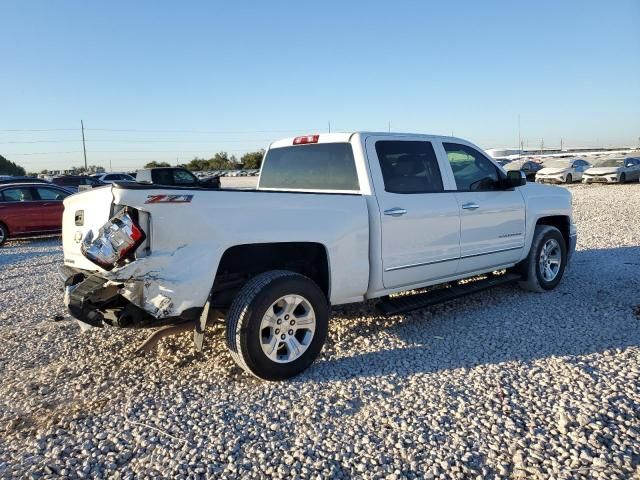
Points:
(408, 303)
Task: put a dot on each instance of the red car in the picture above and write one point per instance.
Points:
(29, 209)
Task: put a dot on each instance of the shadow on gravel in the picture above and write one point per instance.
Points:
(38, 247)
(592, 310)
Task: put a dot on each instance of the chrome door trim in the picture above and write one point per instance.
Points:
(422, 264)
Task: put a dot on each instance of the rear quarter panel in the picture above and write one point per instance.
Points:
(189, 239)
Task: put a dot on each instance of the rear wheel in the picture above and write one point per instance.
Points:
(4, 233)
(544, 266)
(569, 179)
(277, 324)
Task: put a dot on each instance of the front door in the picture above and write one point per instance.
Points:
(420, 222)
(492, 219)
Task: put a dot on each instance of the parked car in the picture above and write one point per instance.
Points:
(562, 170)
(77, 183)
(5, 180)
(336, 218)
(175, 177)
(613, 170)
(527, 167)
(112, 177)
(28, 209)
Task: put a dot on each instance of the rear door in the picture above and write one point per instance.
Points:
(49, 200)
(492, 219)
(420, 221)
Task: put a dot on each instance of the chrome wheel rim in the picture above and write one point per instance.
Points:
(2, 235)
(550, 260)
(287, 328)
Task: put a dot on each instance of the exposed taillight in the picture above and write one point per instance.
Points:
(306, 139)
(116, 240)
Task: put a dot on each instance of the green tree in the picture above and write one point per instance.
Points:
(155, 164)
(198, 164)
(252, 160)
(9, 168)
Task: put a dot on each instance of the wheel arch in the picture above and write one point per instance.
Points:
(239, 263)
(561, 222)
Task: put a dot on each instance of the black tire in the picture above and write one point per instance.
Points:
(4, 233)
(623, 177)
(247, 311)
(569, 179)
(532, 275)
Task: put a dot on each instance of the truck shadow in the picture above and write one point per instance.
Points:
(593, 309)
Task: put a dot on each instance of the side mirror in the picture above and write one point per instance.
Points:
(516, 178)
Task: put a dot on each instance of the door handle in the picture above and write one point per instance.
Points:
(470, 206)
(395, 212)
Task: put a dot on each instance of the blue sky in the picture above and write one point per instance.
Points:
(185, 79)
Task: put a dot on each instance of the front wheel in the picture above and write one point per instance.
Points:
(544, 266)
(277, 324)
(623, 177)
(569, 179)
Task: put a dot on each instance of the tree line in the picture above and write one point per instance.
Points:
(220, 161)
(7, 167)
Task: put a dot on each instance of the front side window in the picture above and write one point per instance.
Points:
(46, 193)
(472, 170)
(319, 166)
(409, 166)
(17, 194)
(180, 177)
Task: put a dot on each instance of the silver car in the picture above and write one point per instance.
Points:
(613, 170)
(562, 170)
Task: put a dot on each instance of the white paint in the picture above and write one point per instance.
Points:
(370, 254)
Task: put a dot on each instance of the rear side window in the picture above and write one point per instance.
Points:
(46, 193)
(162, 177)
(409, 167)
(320, 166)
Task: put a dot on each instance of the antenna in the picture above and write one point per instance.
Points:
(389, 126)
(329, 126)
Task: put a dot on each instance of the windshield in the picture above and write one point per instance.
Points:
(609, 162)
(558, 163)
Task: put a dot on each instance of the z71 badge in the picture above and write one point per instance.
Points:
(169, 198)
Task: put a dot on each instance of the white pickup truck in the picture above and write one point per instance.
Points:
(336, 218)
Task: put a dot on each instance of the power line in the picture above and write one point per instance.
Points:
(111, 140)
(224, 132)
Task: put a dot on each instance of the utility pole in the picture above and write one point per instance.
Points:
(84, 149)
(329, 126)
(389, 126)
(560, 143)
(519, 139)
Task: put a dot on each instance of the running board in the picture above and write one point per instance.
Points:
(408, 303)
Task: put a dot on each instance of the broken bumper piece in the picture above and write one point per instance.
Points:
(97, 301)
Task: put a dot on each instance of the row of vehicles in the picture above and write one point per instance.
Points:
(33, 207)
(569, 170)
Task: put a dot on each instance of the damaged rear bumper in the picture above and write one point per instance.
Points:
(98, 301)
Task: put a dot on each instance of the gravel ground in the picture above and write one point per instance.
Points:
(504, 384)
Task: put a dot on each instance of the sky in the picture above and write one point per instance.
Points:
(169, 81)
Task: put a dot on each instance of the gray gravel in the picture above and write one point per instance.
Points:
(504, 384)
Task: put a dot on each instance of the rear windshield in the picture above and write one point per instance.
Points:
(320, 166)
